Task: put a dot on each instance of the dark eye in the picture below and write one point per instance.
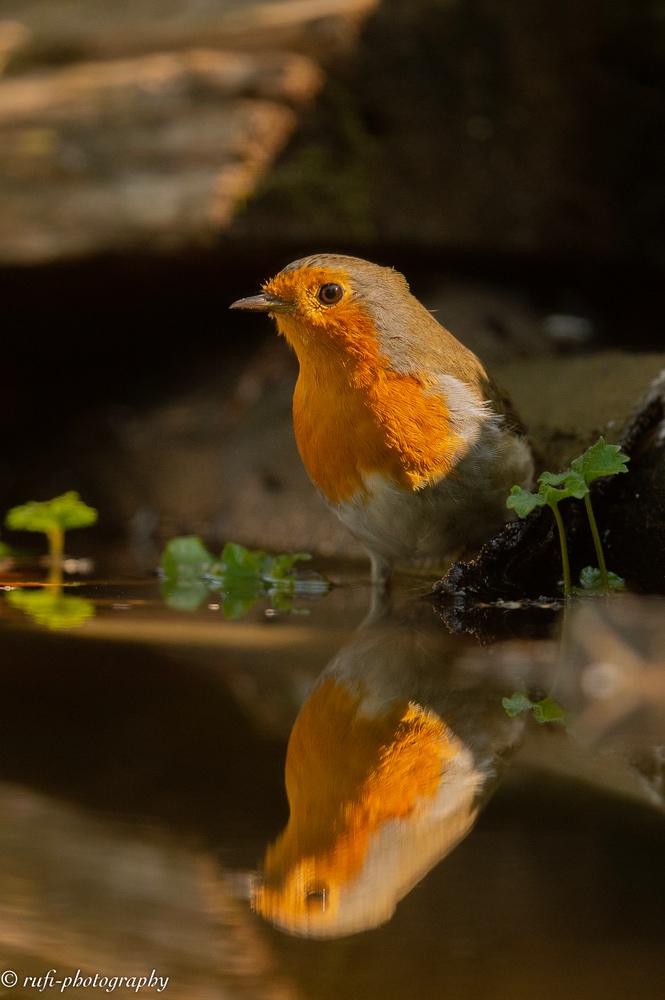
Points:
(330, 294)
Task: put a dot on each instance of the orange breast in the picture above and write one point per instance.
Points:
(354, 416)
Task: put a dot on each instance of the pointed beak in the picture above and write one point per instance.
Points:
(263, 303)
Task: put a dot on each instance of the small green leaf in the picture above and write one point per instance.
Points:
(186, 559)
(517, 703)
(547, 710)
(282, 565)
(522, 502)
(600, 460)
(239, 561)
(568, 484)
(65, 512)
(591, 580)
(240, 576)
(553, 478)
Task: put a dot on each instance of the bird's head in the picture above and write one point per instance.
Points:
(333, 304)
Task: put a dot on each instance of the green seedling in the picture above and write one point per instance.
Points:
(599, 460)
(53, 518)
(48, 605)
(552, 490)
(240, 577)
(184, 562)
(545, 710)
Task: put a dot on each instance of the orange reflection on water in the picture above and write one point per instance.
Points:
(376, 798)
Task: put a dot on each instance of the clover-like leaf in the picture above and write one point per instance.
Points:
(553, 478)
(186, 559)
(517, 703)
(591, 580)
(522, 502)
(600, 460)
(564, 484)
(240, 577)
(63, 512)
(281, 566)
(238, 561)
(547, 710)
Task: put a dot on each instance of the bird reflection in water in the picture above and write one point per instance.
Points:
(387, 766)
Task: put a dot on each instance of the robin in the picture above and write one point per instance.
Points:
(399, 426)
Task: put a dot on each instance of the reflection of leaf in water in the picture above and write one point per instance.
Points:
(545, 710)
(237, 601)
(516, 703)
(52, 608)
(187, 596)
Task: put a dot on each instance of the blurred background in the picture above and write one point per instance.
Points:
(159, 160)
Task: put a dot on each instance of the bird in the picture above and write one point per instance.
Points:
(402, 431)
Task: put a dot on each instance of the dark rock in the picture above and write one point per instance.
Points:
(635, 504)
(524, 560)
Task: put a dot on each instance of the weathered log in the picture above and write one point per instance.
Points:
(159, 150)
(150, 152)
(80, 29)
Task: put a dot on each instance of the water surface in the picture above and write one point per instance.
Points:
(436, 847)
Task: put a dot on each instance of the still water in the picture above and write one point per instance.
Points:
(336, 803)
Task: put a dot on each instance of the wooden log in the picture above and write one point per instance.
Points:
(84, 29)
(152, 152)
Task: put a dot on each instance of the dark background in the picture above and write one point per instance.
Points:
(485, 139)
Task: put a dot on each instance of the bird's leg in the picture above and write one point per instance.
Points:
(381, 570)
(380, 608)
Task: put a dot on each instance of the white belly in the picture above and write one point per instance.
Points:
(434, 523)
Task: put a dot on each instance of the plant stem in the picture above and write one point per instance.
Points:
(564, 549)
(597, 545)
(56, 546)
